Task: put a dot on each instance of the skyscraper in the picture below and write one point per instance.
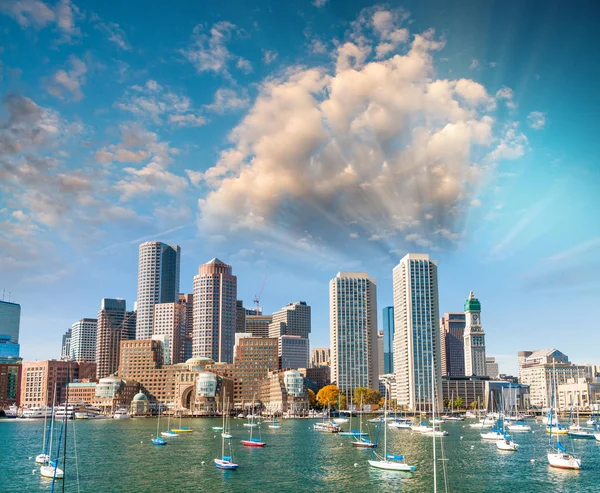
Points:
(240, 317)
(258, 325)
(293, 352)
(320, 356)
(215, 294)
(474, 339)
(169, 321)
(292, 320)
(388, 340)
(10, 321)
(186, 343)
(353, 331)
(158, 282)
(452, 345)
(114, 326)
(416, 333)
(65, 348)
(83, 340)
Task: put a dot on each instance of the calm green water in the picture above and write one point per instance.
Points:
(117, 456)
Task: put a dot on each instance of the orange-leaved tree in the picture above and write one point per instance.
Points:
(328, 395)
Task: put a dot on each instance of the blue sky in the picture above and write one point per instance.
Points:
(297, 139)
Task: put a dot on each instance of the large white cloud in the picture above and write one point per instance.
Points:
(377, 148)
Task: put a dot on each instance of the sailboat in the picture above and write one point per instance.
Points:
(158, 440)
(253, 441)
(226, 433)
(387, 461)
(505, 442)
(182, 429)
(495, 434)
(576, 430)
(361, 441)
(169, 433)
(226, 461)
(274, 424)
(557, 455)
(50, 469)
(44, 457)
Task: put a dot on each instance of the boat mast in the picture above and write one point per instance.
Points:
(433, 420)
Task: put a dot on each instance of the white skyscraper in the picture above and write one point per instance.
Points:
(169, 321)
(474, 339)
(353, 331)
(416, 332)
(158, 282)
(83, 340)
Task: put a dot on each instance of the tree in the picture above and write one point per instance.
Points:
(446, 403)
(312, 399)
(328, 395)
(343, 401)
(368, 396)
(474, 405)
(458, 402)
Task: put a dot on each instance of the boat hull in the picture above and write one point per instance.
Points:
(48, 472)
(581, 434)
(509, 447)
(159, 442)
(363, 444)
(168, 434)
(391, 466)
(181, 431)
(42, 459)
(491, 436)
(225, 464)
(249, 443)
(564, 461)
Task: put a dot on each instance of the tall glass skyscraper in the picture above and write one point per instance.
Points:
(416, 338)
(158, 282)
(388, 339)
(215, 295)
(83, 340)
(353, 331)
(10, 322)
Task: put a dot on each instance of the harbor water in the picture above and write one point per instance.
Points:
(117, 456)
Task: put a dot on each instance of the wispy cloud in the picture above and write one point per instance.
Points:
(68, 83)
(576, 251)
(536, 120)
(112, 31)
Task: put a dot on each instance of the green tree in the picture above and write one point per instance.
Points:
(474, 405)
(458, 402)
(446, 402)
(328, 395)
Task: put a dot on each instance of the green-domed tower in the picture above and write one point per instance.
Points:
(474, 338)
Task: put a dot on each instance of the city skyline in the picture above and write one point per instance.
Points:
(187, 137)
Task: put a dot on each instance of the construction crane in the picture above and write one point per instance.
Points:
(257, 298)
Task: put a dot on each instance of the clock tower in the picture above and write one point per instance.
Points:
(474, 339)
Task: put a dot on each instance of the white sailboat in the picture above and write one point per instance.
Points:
(505, 443)
(50, 469)
(226, 433)
(169, 433)
(557, 454)
(226, 461)
(387, 461)
(44, 457)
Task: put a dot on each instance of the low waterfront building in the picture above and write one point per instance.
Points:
(542, 377)
(40, 379)
(78, 392)
(469, 389)
(113, 393)
(139, 405)
(584, 395)
(506, 395)
(283, 392)
(10, 381)
(540, 357)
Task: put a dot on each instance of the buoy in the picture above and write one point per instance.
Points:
(461, 438)
(355, 464)
(33, 472)
(472, 446)
(202, 462)
(532, 460)
(30, 458)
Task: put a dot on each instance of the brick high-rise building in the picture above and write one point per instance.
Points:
(158, 282)
(258, 325)
(10, 381)
(115, 324)
(215, 294)
(255, 357)
(169, 321)
(452, 345)
(186, 343)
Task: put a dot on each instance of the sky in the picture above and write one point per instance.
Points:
(294, 140)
